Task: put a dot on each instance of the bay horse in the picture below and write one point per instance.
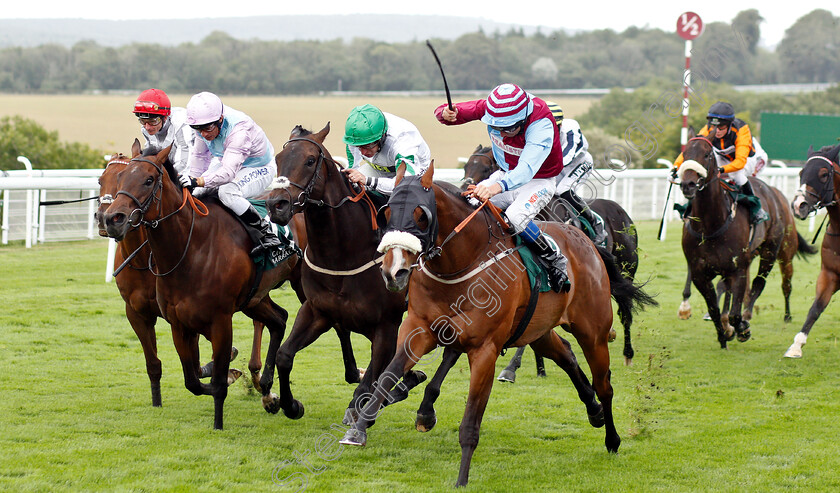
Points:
(718, 239)
(622, 241)
(819, 186)
(202, 267)
(453, 300)
(340, 280)
(136, 285)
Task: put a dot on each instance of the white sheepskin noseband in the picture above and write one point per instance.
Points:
(399, 239)
(691, 165)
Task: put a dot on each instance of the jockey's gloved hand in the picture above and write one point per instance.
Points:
(673, 177)
(187, 181)
(721, 171)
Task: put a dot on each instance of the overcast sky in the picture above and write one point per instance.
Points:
(587, 15)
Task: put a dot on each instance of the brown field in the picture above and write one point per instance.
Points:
(105, 121)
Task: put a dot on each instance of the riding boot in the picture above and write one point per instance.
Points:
(553, 260)
(757, 213)
(583, 209)
(260, 232)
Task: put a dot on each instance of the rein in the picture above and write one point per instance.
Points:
(819, 197)
(303, 197)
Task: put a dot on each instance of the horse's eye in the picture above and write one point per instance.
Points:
(310, 162)
(421, 219)
(150, 181)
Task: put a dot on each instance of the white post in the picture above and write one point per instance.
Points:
(109, 266)
(29, 194)
(42, 216)
(5, 227)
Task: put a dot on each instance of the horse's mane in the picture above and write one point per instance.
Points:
(829, 152)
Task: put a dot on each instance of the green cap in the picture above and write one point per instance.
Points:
(365, 124)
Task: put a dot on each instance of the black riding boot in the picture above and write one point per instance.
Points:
(757, 213)
(554, 261)
(584, 210)
(260, 232)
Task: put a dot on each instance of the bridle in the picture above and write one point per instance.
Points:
(827, 188)
(712, 175)
(468, 179)
(155, 196)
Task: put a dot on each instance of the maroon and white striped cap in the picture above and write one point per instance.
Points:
(506, 105)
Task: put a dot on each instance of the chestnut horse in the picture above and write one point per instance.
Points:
(136, 285)
(340, 280)
(453, 300)
(622, 239)
(718, 240)
(202, 267)
(819, 186)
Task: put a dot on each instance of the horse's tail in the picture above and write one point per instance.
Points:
(629, 296)
(803, 249)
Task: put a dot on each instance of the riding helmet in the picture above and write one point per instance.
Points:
(365, 124)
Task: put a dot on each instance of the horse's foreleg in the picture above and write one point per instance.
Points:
(351, 370)
(221, 338)
(557, 349)
(144, 328)
(482, 365)
(382, 349)
(710, 296)
(306, 330)
(828, 283)
(186, 344)
(786, 267)
(597, 353)
(737, 283)
(426, 416)
(685, 307)
(509, 373)
(409, 351)
(273, 317)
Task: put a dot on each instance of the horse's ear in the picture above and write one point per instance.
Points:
(428, 176)
(161, 156)
(810, 150)
(322, 134)
(296, 132)
(400, 174)
(477, 149)
(691, 132)
(135, 148)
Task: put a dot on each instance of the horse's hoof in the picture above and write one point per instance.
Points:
(612, 444)
(684, 313)
(628, 361)
(744, 332)
(350, 417)
(233, 353)
(295, 411)
(707, 317)
(507, 376)
(793, 352)
(233, 375)
(728, 334)
(352, 377)
(425, 422)
(597, 419)
(255, 381)
(541, 372)
(611, 336)
(788, 319)
(354, 437)
(271, 403)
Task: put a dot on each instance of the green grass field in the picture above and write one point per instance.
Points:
(77, 415)
(105, 121)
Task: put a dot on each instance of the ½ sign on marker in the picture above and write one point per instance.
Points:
(689, 25)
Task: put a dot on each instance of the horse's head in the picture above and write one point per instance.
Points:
(479, 166)
(817, 181)
(699, 167)
(302, 168)
(108, 184)
(411, 218)
(137, 186)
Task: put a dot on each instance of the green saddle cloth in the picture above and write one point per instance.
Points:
(533, 267)
(273, 258)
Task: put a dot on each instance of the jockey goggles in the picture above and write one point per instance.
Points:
(204, 127)
(509, 128)
(147, 119)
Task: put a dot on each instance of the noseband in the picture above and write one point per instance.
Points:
(306, 190)
(143, 207)
(711, 175)
(827, 188)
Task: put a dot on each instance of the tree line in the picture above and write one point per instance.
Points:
(475, 61)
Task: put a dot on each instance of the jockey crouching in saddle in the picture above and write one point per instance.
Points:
(162, 126)
(527, 147)
(377, 143)
(244, 169)
(577, 164)
(737, 153)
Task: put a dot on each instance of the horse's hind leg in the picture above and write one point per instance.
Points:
(426, 416)
(144, 327)
(351, 370)
(255, 362)
(557, 349)
(509, 373)
(597, 353)
(274, 317)
(828, 282)
(710, 296)
(626, 317)
(685, 307)
(221, 337)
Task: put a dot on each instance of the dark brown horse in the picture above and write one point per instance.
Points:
(718, 240)
(820, 187)
(622, 239)
(340, 280)
(136, 285)
(203, 270)
(469, 295)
